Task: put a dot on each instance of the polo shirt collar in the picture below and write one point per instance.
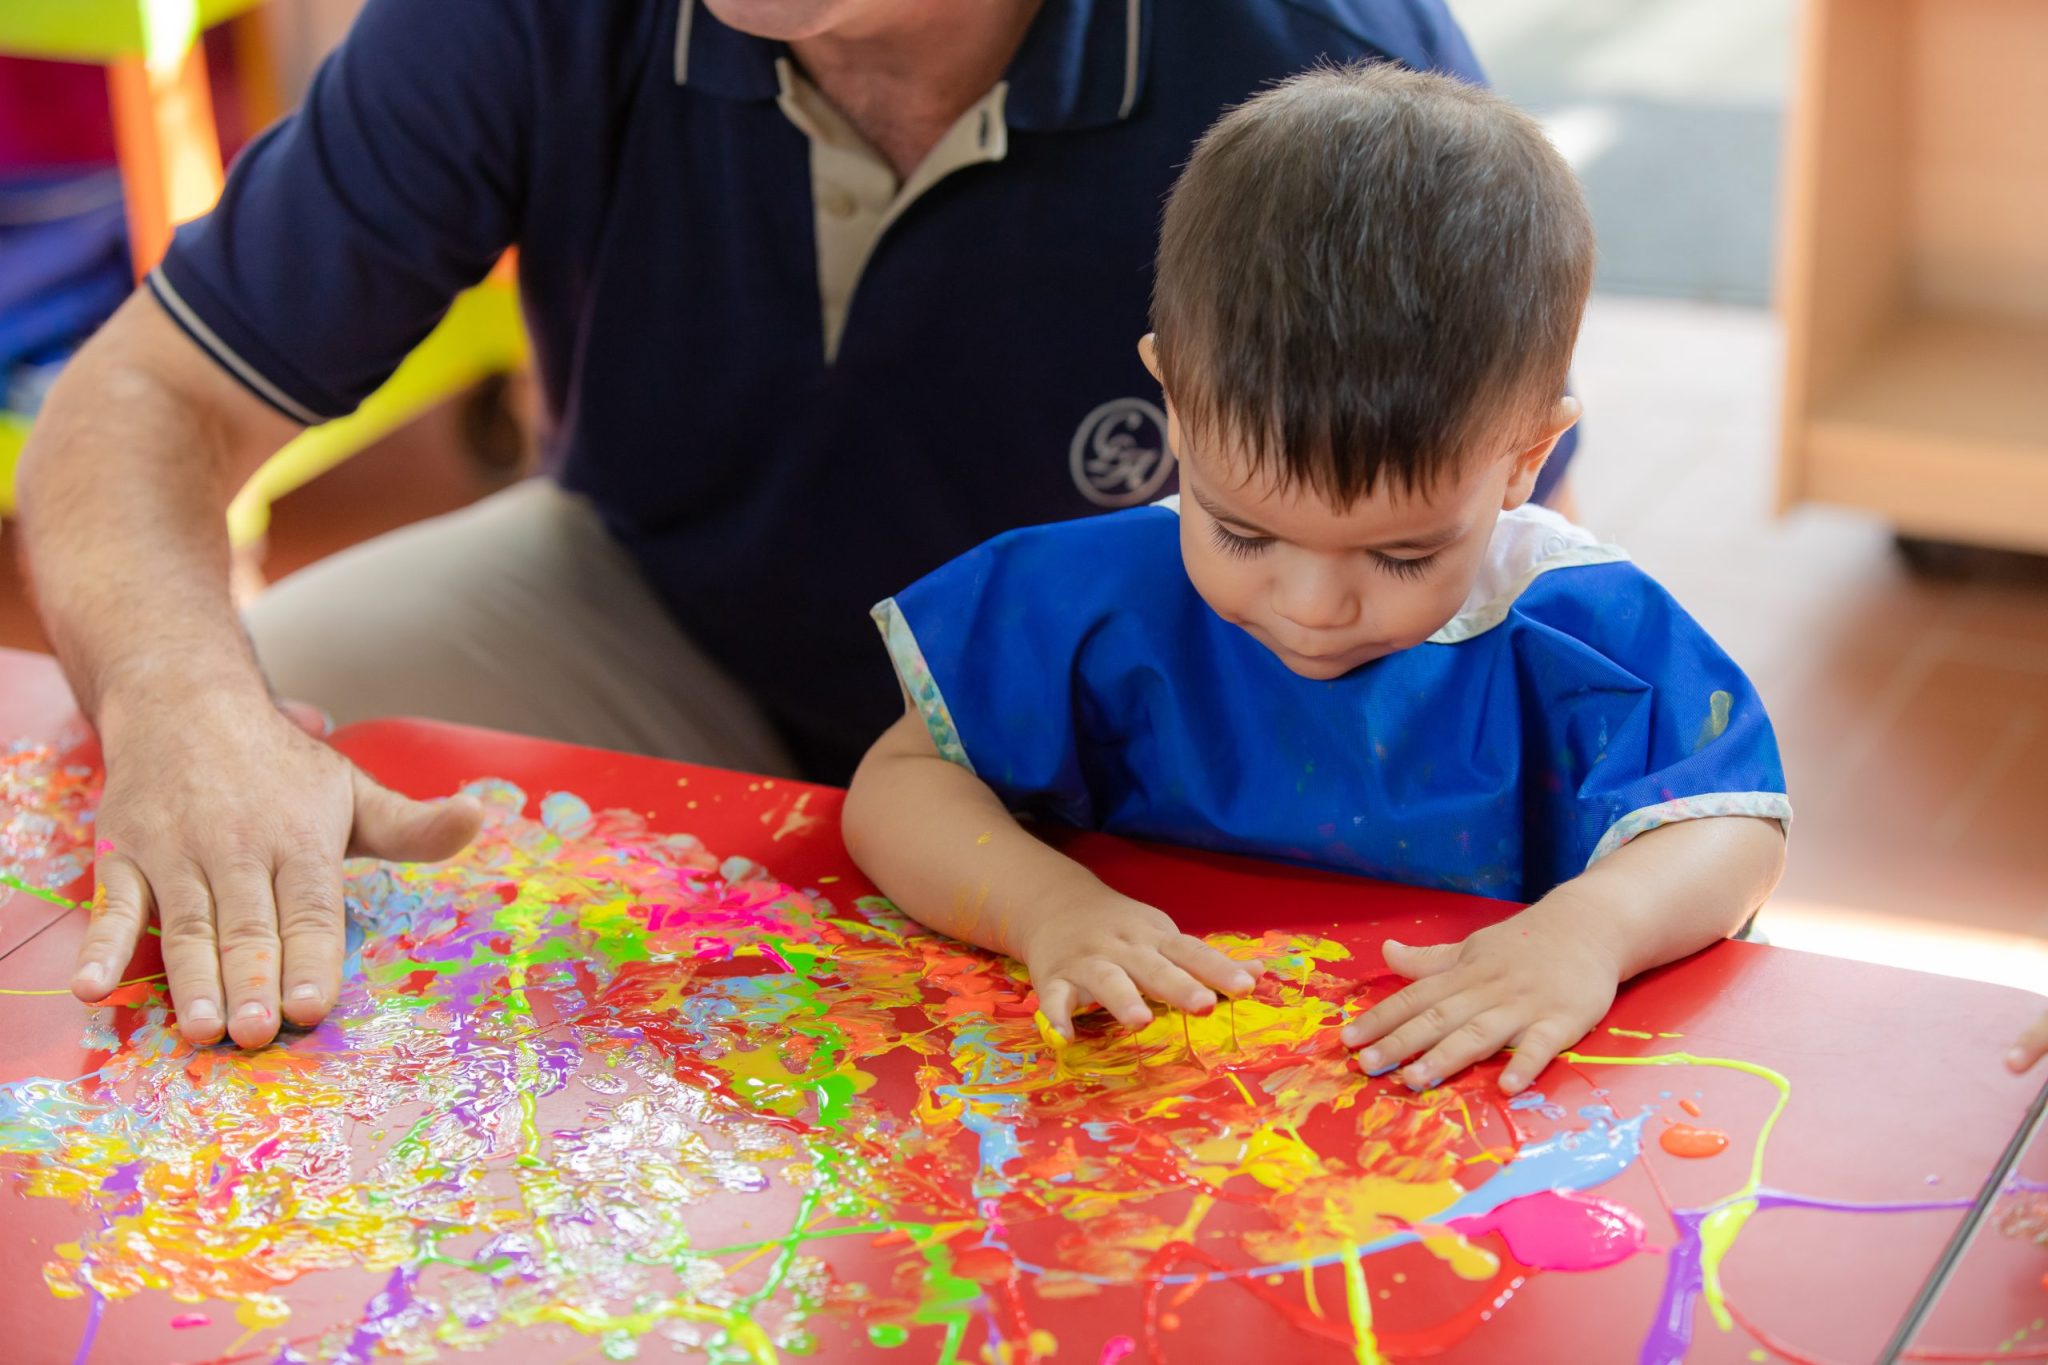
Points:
(1081, 65)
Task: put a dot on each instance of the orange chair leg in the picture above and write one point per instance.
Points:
(169, 149)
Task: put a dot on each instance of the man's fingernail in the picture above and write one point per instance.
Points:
(307, 994)
(252, 1010)
(93, 977)
(1241, 982)
(203, 1012)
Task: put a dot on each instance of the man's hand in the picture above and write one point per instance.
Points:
(1537, 981)
(1117, 952)
(230, 822)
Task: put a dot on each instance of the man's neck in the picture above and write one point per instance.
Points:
(906, 75)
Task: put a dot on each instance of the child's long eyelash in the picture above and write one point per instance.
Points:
(1405, 568)
(1234, 544)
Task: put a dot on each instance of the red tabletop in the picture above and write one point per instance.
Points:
(1867, 1103)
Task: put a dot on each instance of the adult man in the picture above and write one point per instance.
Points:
(797, 272)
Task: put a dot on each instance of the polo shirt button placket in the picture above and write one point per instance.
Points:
(840, 204)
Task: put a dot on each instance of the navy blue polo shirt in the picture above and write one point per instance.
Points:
(661, 200)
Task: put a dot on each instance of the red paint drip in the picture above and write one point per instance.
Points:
(1682, 1139)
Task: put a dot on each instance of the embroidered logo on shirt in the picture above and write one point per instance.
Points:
(1119, 453)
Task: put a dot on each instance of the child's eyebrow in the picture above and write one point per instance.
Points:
(1430, 540)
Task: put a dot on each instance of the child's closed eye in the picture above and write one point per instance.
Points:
(1405, 568)
(1231, 543)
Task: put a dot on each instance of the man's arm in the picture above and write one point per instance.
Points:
(220, 813)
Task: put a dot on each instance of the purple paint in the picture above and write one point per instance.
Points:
(93, 1313)
(1670, 1333)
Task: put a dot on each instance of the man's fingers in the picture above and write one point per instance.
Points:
(402, 830)
(2031, 1045)
(191, 953)
(307, 717)
(120, 909)
(245, 917)
(311, 925)
(1208, 966)
(1112, 988)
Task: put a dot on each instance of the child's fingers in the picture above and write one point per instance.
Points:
(1059, 1001)
(1417, 963)
(1538, 1047)
(1113, 990)
(1208, 966)
(1169, 985)
(1423, 1030)
(1472, 1041)
(1395, 1010)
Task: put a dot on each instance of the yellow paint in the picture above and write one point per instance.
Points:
(1277, 1160)
(132, 981)
(1043, 1343)
(1165, 1041)
(1365, 1347)
(1047, 1034)
(1630, 1033)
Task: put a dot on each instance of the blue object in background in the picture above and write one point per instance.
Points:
(63, 271)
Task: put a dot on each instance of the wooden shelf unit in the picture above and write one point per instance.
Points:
(1914, 282)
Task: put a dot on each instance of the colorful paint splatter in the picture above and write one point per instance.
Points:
(590, 1079)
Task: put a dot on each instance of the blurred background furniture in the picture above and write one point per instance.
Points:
(1914, 289)
(162, 101)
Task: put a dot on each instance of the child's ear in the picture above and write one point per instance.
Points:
(1148, 351)
(1529, 461)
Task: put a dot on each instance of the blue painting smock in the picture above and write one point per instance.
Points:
(1568, 707)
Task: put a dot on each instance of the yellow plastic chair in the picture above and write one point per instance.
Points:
(169, 151)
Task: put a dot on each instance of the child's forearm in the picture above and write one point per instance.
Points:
(1673, 890)
(939, 843)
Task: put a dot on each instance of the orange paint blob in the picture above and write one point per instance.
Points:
(1689, 1107)
(1682, 1139)
(984, 1265)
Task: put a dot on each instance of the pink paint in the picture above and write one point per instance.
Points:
(184, 1321)
(1115, 1349)
(1559, 1230)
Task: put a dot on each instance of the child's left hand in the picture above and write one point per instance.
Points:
(1538, 981)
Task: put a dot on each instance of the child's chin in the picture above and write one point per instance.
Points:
(1323, 670)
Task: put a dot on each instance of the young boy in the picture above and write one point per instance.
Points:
(1350, 640)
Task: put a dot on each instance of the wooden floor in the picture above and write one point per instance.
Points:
(1913, 710)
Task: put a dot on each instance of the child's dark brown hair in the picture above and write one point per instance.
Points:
(1366, 271)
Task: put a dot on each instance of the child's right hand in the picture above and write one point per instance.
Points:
(1115, 952)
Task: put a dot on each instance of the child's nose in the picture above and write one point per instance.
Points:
(1317, 600)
